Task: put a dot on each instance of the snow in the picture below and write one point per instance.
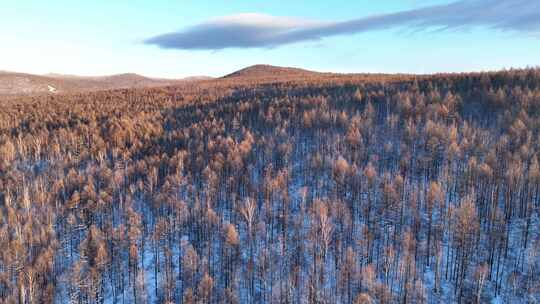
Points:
(497, 300)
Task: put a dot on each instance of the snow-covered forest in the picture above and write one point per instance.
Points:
(349, 189)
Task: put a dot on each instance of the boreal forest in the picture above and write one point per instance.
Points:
(286, 188)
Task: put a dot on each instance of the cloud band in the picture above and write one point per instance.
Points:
(259, 30)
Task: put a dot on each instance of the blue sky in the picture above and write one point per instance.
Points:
(179, 38)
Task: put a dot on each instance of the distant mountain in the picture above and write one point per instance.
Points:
(12, 83)
(270, 71)
(197, 78)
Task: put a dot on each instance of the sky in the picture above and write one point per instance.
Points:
(180, 38)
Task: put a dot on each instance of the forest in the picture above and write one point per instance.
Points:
(310, 189)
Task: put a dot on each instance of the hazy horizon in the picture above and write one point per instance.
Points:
(57, 74)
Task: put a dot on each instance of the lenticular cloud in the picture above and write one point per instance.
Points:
(260, 31)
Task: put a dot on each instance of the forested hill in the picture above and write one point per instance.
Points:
(14, 84)
(262, 70)
(263, 73)
(317, 189)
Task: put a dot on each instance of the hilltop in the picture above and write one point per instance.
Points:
(264, 70)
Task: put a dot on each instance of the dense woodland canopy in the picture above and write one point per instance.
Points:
(324, 189)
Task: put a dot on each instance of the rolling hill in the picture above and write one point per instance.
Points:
(13, 83)
(270, 71)
(263, 73)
